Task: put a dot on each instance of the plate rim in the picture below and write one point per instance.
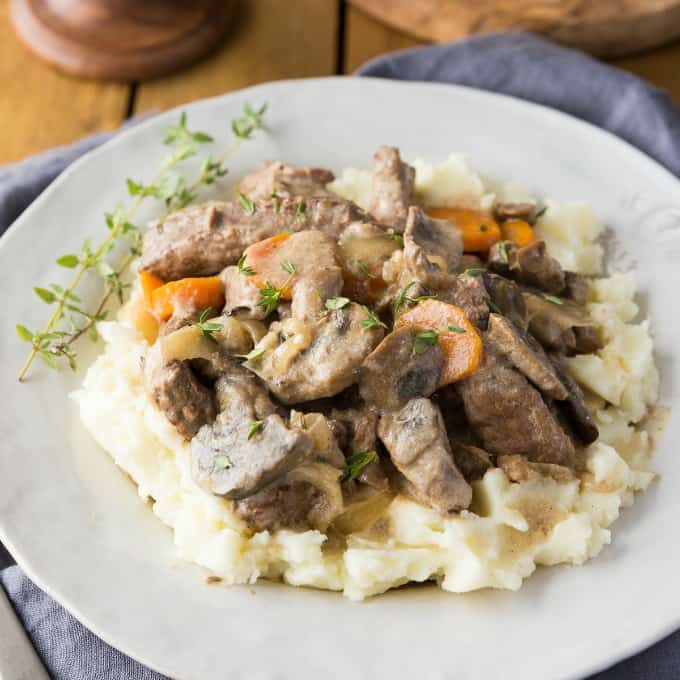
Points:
(619, 652)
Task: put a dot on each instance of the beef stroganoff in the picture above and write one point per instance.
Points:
(399, 374)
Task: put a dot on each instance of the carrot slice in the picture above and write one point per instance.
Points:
(518, 231)
(264, 258)
(458, 338)
(478, 228)
(149, 282)
(199, 293)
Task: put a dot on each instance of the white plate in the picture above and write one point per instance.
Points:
(76, 525)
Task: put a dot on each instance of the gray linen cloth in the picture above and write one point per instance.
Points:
(518, 64)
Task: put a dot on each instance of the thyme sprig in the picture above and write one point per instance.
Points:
(270, 295)
(207, 327)
(70, 319)
(404, 297)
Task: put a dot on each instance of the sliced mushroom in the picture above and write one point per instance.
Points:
(432, 249)
(506, 296)
(248, 446)
(575, 408)
(419, 448)
(241, 295)
(302, 361)
(393, 373)
(527, 356)
(563, 327)
(530, 265)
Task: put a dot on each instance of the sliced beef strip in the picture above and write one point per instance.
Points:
(469, 293)
(392, 184)
(362, 426)
(575, 287)
(525, 354)
(472, 461)
(281, 505)
(305, 361)
(393, 374)
(530, 265)
(241, 295)
(228, 458)
(574, 407)
(203, 240)
(509, 415)
(506, 296)
(515, 211)
(286, 180)
(561, 327)
(432, 249)
(175, 389)
(419, 448)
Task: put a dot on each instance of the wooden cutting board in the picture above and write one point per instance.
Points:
(604, 28)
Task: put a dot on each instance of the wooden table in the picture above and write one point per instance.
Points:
(270, 40)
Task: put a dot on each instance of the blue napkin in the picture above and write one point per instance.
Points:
(518, 64)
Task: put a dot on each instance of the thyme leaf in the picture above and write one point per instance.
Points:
(336, 303)
(424, 341)
(355, 464)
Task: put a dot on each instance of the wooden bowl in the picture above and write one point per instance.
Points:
(120, 39)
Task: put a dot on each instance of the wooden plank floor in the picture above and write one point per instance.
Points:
(270, 40)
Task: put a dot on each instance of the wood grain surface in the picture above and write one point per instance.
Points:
(367, 38)
(40, 108)
(269, 40)
(602, 27)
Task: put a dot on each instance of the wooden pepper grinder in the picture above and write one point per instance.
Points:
(120, 39)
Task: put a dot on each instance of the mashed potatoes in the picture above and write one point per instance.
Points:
(511, 528)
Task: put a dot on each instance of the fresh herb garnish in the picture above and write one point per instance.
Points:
(254, 426)
(456, 329)
(405, 297)
(355, 464)
(371, 320)
(336, 303)
(493, 306)
(483, 227)
(397, 238)
(288, 267)
(254, 354)
(553, 299)
(246, 203)
(475, 271)
(276, 199)
(541, 212)
(424, 341)
(300, 208)
(206, 327)
(222, 462)
(362, 268)
(503, 252)
(71, 319)
(270, 295)
(243, 268)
